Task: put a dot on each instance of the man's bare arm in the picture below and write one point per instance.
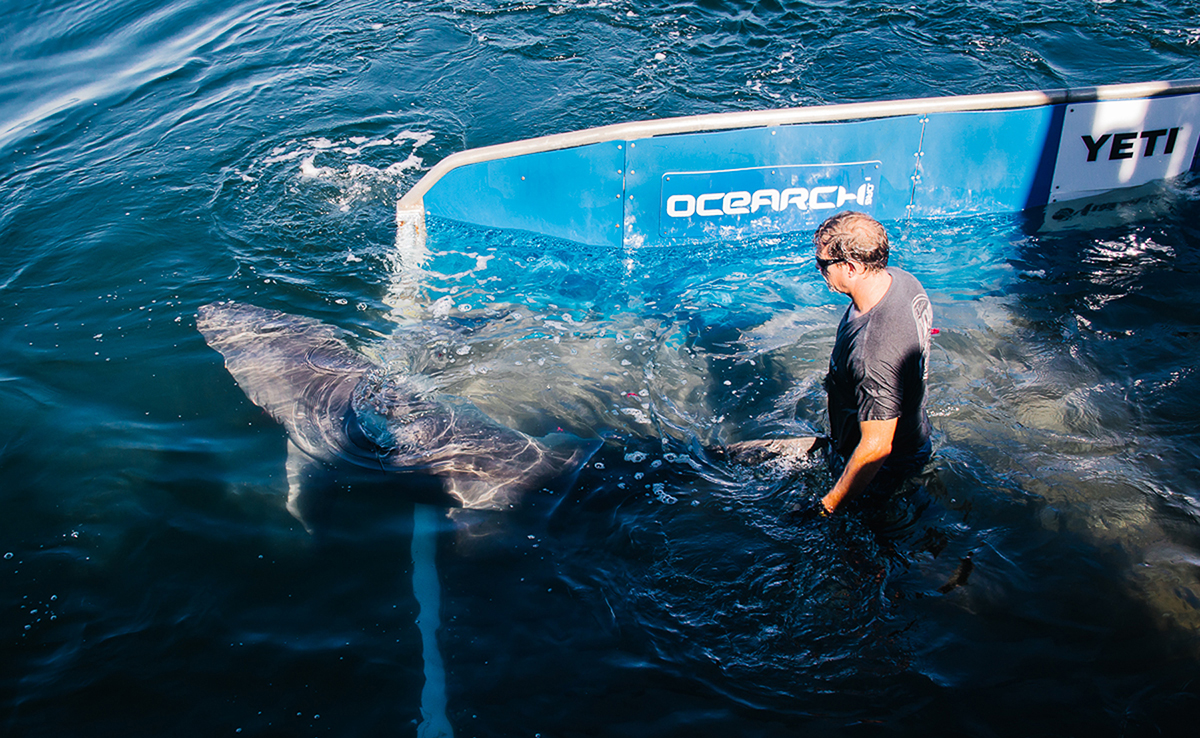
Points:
(872, 450)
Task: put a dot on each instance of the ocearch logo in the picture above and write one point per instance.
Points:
(744, 202)
(771, 199)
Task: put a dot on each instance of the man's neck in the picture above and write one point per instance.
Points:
(869, 291)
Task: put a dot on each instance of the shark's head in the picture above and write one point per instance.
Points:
(484, 463)
(400, 416)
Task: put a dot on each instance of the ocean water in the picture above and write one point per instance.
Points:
(1040, 578)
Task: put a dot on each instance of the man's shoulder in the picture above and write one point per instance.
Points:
(905, 278)
(906, 308)
(904, 289)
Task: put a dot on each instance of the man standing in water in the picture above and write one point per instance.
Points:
(877, 371)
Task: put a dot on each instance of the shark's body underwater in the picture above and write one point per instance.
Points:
(341, 409)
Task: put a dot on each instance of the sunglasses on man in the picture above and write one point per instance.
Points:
(824, 264)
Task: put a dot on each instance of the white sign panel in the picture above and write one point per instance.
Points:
(1124, 143)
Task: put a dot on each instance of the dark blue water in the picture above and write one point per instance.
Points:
(1041, 578)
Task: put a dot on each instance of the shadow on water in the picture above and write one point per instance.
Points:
(1115, 320)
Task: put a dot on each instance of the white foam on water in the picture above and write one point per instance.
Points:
(338, 162)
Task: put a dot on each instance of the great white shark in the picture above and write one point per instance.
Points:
(343, 411)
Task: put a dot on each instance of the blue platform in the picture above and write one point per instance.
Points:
(745, 174)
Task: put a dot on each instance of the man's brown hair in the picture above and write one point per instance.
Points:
(855, 237)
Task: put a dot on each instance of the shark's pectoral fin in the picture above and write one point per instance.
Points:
(300, 468)
(561, 456)
(483, 494)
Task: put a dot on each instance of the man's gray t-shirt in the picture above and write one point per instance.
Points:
(877, 370)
